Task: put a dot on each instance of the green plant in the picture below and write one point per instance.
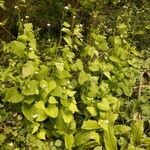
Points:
(86, 91)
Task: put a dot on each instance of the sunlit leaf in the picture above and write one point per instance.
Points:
(52, 110)
(104, 105)
(90, 125)
(121, 129)
(110, 139)
(12, 95)
(137, 132)
(83, 77)
(17, 48)
(84, 136)
(92, 110)
(35, 127)
(69, 141)
(31, 88)
(41, 135)
(79, 64)
(68, 40)
(30, 68)
(60, 66)
(67, 116)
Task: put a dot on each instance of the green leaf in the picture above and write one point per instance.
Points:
(35, 111)
(121, 129)
(69, 141)
(2, 138)
(94, 66)
(104, 105)
(17, 48)
(137, 132)
(2, 4)
(60, 66)
(28, 111)
(107, 74)
(66, 30)
(57, 91)
(66, 24)
(47, 85)
(60, 124)
(98, 148)
(112, 117)
(43, 72)
(41, 135)
(22, 38)
(92, 111)
(83, 137)
(52, 100)
(79, 64)
(43, 84)
(4, 22)
(30, 68)
(52, 110)
(90, 125)
(111, 99)
(72, 107)
(28, 31)
(67, 116)
(35, 127)
(68, 40)
(32, 55)
(103, 124)
(103, 46)
(83, 77)
(30, 99)
(127, 90)
(99, 38)
(31, 88)
(12, 95)
(70, 93)
(51, 85)
(39, 107)
(109, 139)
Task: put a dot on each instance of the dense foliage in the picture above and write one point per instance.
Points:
(75, 74)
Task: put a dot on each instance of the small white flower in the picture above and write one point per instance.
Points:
(36, 72)
(70, 86)
(44, 86)
(74, 17)
(81, 25)
(48, 24)
(30, 48)
(16, 7)
(66, 7)
(19, 117)
(68, 82)
(21, 19)
(11, 144)
(27, 17)
(96, 43)
(49, 40)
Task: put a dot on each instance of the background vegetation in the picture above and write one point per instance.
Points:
(74, 74)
